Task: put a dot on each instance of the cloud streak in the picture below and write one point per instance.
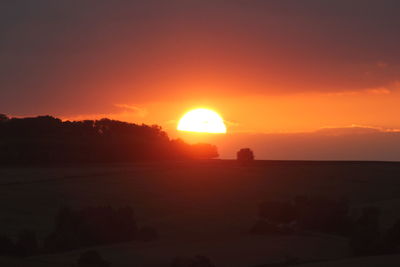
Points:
(129, 113)
(344, 143)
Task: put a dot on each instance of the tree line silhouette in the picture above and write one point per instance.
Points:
(45, 139)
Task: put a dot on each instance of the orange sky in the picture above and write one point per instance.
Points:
(276, 113)
(274, 66)
(310, 126)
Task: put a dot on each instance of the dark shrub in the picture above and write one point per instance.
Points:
(3, 118)
(26, 244)
(67, 232)
(245, 155)
(61, 241)
(91, 226)
(98, 226)
(392, 238)
(365, 239)
(92, 258)
(325, 215)
(104, 225)
(198, 261)
(315, 214)
(126, 224)
(147, 234)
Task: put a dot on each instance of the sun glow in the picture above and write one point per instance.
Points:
(202, 120)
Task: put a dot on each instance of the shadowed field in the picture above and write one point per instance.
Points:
(198, 207)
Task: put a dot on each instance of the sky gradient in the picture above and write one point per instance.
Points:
(268, 67)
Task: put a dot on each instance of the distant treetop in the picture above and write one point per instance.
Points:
(245, 154)
(3, 118)
(46, 139)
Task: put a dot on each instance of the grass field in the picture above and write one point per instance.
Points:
(199, 207)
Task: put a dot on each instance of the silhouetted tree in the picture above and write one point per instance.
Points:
(92, 258)
(94, 226)
(245, 154)
(66, 233)
(3, 118)
(61, 241)
(323, 214)
(126, 225)
(304, 213)
(365, 239)
(392, 238)
(47, 139)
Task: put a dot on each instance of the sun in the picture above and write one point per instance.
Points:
(202, 120)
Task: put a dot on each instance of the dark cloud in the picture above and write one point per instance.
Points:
(59, 55)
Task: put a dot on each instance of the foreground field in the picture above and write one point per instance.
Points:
(198, 207)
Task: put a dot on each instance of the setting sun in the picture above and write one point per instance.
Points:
(202, 121)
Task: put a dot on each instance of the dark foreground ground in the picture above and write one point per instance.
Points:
(199, 207)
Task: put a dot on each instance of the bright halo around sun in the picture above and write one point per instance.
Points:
(202, 120)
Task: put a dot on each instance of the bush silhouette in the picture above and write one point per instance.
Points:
(92, 258)
(3, 118)
(245, 155)
(91, 226)
(324, 215)
(304, 213)
(392, 238)
(365, 239)
(61, 241)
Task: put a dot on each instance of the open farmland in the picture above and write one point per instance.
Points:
(198, 207)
